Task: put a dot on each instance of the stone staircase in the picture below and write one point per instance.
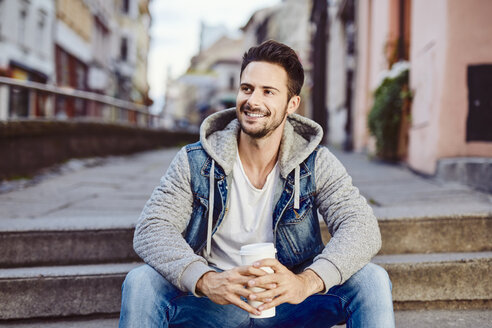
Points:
(53, 274)
(434, 263)
(438, 263)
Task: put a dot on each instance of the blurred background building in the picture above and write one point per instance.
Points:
(349, 48)
(212, 78)
(75, 48)
(447, 129)
(88, 58)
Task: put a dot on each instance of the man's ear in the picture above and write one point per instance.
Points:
(293, 104)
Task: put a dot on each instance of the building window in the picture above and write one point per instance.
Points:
(125, 6)
(22, 25)
(41, 30)
(124, 49)
(80, 77)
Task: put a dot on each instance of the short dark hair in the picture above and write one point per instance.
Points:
(278, 53)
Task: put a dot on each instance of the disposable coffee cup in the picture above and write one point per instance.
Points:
(249, 255)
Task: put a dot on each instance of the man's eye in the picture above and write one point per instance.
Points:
(268, 92)
(245, 89)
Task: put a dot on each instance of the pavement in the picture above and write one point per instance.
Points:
(111, 192)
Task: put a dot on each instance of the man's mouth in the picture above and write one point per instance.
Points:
(254, 115)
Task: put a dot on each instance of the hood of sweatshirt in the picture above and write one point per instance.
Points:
(219, 133)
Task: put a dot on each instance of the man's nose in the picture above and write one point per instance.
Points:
(254, 99)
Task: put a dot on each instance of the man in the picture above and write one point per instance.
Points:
(258, 174)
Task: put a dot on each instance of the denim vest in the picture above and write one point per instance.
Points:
(296, 232)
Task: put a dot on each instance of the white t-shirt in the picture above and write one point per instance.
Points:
(248, 219)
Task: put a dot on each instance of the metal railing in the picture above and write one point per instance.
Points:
(21, 99)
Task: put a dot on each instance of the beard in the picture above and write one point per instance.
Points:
(267, 128)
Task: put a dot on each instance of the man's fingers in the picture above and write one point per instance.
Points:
(239, 276)
(265, 296)
(241, 291)
(275, 302)
(243, 305)
(249, 270)
(272, 263)
(264, 282)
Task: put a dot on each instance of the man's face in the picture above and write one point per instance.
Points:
(261, 103)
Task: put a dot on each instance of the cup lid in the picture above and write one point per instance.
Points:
(252, 249)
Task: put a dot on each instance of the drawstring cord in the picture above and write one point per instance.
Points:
(296, 187)
(210, 206)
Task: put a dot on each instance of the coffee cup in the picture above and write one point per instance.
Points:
(250, 254)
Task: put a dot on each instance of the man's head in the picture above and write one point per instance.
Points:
(271, 80)
(277, 53)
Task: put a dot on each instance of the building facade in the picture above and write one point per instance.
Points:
(447, 47)
(289, 23)
(26, 53)
(95, 46)
(130, 48)
(209, 85)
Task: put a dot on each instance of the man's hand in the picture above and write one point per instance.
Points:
(283, 286)
(226, 287)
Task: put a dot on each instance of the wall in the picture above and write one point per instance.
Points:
(373, 23)
(34, 49)
(76, 14)
(469, 43)
(427, 58)
(447, 36)
(361, 97)
(337, 76)
(28, 146)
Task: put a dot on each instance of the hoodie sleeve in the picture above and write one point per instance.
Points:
(158, 236)
(354, 228)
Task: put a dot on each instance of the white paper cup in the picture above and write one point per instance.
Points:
(249, 255)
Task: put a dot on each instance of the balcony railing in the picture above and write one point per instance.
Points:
(31, 100)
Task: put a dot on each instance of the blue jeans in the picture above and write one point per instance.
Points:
(149, 300)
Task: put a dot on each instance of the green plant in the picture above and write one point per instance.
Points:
(386, 114)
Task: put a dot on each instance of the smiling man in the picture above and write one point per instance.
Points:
(258, 174)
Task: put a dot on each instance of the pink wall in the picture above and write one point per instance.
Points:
(427, 58)
(362, 75)
(373, 26)
(470, 42)
(446, 37)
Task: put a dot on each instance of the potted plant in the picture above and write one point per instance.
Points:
(389, 115)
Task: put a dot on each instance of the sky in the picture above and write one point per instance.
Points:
(175, 33)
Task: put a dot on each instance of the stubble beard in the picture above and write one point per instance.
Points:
(266, 130)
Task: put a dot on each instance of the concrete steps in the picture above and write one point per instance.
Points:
(66, 247)
(438, 263)
(25, 248)
(437, 281)
(61, 291)
(466, 233)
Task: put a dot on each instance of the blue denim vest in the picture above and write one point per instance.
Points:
(296, 232)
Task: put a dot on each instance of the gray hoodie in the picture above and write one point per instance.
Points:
(355, 233)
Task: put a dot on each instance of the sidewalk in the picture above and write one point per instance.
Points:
(105, 196)
(395, 192)
(113, 194)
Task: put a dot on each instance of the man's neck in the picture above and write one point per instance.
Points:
(258, 156)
